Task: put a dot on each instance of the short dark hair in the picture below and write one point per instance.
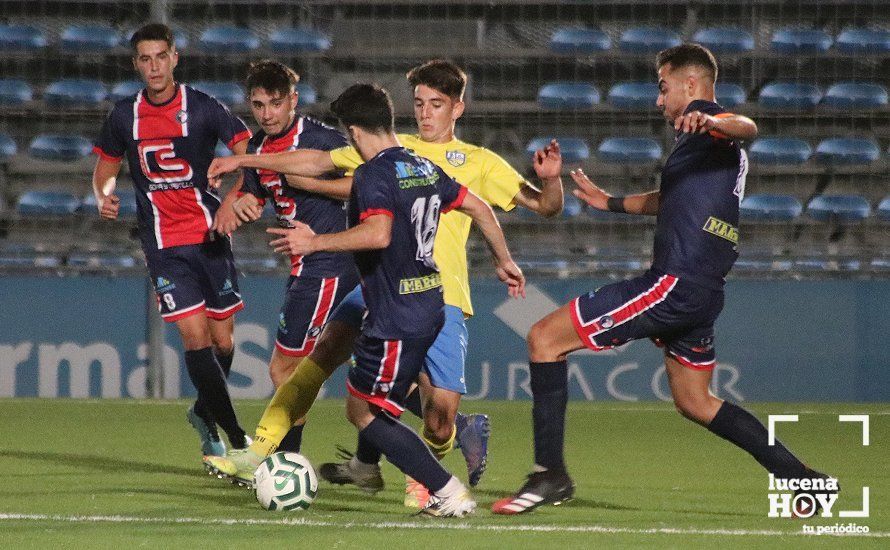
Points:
(272, 76)
(153, 31)
(440, 75)
(688, 55)
(364, 105)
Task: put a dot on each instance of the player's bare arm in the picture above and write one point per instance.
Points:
(548, 201)
(373, 233)
(339, 188)
(726, 125)
(247, 208)
(303, 162)
(507, 270)
(104, 181)
(590, 193)
(225, 220)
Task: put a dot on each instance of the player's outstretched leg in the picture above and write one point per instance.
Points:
(473, 432)
(211, 444)
(361, 469)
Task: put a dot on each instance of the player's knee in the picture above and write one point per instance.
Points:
(692, 407)
(538, 341)
(438, 426)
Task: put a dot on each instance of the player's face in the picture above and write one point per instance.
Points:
(155, 62)
(674, 92)
(274, 112)
(436, 114)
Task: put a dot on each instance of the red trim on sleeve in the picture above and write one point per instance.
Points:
(374, 212)
(461, 195)
(105, 156)
(239, 137)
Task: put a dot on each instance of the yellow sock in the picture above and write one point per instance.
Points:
(291, 402)
(441, 449)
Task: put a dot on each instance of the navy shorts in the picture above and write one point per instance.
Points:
(385, 369)
(675, 314)
(195, 278)
(308, 303)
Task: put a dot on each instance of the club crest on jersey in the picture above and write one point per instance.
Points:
(164, 285)
(227, 288)
(282, 323)
(606, 321)
(182, 116)
(456, 158)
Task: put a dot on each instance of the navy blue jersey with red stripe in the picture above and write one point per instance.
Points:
(401, 283)
(322, 214)
(169, 147)
(702, 183)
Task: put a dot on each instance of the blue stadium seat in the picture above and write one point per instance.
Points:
(8, 148)
(730, 95)
(298, 40)
(629, 150)
(801, 41)
(84, 38)
(307, 94)
(842, 151)
(63, 148)
(573, 149)
(779, 150)
(568, 95)
(47, 203)
(101, 260)
(634, 95)
(647, 39)
(725, 39)
(884, 209)
(855, 95)
(842, 208)
(230, 93)
(766, 207)
(571, 206)
(221, 150)
(790, 95)
(125, 89)
(575, 40)
(863, 41)
(21, 38)
(228, 39)
(15, 92)
(69, 92)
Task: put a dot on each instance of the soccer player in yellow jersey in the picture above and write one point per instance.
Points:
(438, 103)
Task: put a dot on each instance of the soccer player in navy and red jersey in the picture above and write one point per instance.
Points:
(168, 133)
(318, 282)
(677, 301)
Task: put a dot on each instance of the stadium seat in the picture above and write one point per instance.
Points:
(841, 208)
(47, 203)
(575, 40)
(8, 148)
(790, 95)
(62, 148)
(228, 39)
(568, 95)
(126, 88)
(730, 95)
(725, 39)
(801, 41)
(573, 149)
(863, 41)
(842, 151)
(634, 95)
(779, 150)
(84, 38)
(15, 92)
(98, 260)
(308, 95)
(71, 92)
(221, 150)
(298, 40)
(884, 209)
(571, 206)
(855, 95)
(766, 207)
(230, 93)
(647, 39)
(21, 38)
(629, 150)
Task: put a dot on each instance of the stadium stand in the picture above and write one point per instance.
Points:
(22, 37)
(579, 41)
(8, 148)
(14, 91)
(568, 95)
(842, 151)
(730, 95)
(228, 39)
(855, 95)
(780, 150)
(75, 93)
(863, 41)
(574, 149)
(647, 39)
(126, 88)
(629, 150)
(231, 93)
(47, 203)
(800, 41)
(634, 95)
(721, 40)
(298, 40)
(884, 209)
(765, 207)
(60, 148)
(839, 208)
(790, 96)
(97, 38)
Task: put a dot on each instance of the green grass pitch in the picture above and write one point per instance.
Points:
(109, 474)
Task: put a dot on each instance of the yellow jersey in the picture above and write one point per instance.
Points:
(484, 173)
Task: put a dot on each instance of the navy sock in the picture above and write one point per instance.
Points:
(213, 394)
(366, 451)
(404, 448)
(412, 403)
(225, 362)
(292, 440)
(550, 395)
(742, 428)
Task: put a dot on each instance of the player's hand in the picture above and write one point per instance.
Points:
(588, 192)
(293, 241)
(109, 206)
(695, 122)
(219, 167)
(548, 161)
(247, 209)
(510, 274)
(225, 221)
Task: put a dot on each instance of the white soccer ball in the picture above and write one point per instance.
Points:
(285, 481)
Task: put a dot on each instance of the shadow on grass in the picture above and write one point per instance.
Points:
(103, 463)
